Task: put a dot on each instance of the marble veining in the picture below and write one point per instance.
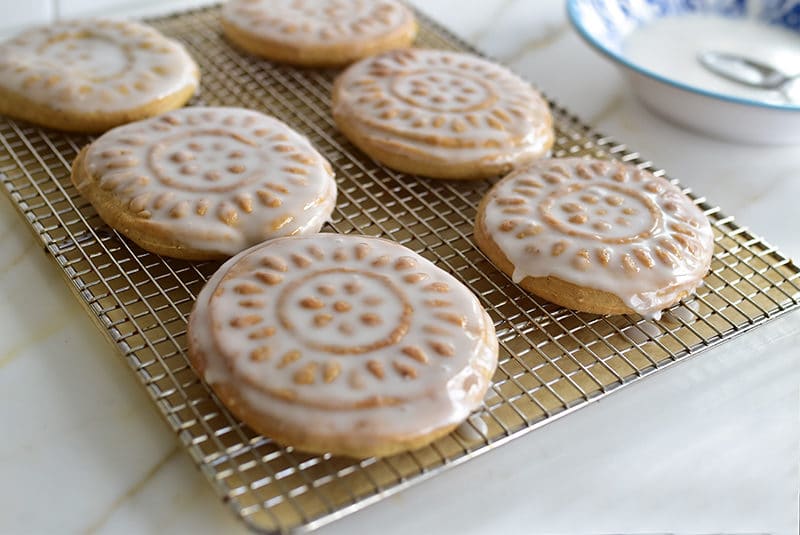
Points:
(89, 450)
(97, 525)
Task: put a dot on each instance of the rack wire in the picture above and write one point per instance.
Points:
(551, 361)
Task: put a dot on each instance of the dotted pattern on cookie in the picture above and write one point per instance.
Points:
(218, 178)
(448, 105)
(343, 323)
(95, 65)
(317, 21)
(601, 225)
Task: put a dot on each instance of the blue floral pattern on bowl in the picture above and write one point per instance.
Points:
(608, 22)
(783, 12)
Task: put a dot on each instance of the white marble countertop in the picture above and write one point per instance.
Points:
(710, 445)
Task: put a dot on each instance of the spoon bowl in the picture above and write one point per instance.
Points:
(744, 70)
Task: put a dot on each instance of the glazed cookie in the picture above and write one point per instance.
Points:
(345, 344)
(92, 75)
(203, 183)
(596, 236)
(318, 33)
(441, 114)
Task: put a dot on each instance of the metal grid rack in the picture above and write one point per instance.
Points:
(551, 359)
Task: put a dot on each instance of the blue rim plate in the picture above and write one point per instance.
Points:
(603, 48)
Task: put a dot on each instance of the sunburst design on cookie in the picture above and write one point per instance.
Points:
(325, 21)
(224, 175)
(351, 318)
(367, 311)
(445, 105)
(95, 65)
(600, 224)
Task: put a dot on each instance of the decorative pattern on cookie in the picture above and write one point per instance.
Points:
(318, 32)
(343, 344)
(92, 75)
(202, 183)
(596, 236)
(441, 114)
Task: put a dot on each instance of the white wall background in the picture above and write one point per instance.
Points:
(18, 14)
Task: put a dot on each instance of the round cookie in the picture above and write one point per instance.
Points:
(441, 114)
(318, 33)
(596, 236)
(345, 344)
(204, 183)
(92, 75)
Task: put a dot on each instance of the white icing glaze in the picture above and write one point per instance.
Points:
(446, 106)
(95, 65)
(346, 334)
(602, 225)
(217, 179)
(303, 22)
(474, 429)
(686, 313)
(642, 332)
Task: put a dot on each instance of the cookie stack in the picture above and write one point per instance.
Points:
(350, 345)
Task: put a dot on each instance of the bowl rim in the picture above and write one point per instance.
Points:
(575, 20)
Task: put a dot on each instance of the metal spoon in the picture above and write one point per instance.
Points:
(747, 71)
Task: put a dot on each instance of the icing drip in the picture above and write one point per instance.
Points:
(687, 313)
(602, 225)
(642, 332)
(95, 65)
(447, 106)
(474, 429)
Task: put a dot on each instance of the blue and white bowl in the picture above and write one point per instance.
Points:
(605, 24)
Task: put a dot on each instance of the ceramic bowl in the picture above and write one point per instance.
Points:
(604, 24)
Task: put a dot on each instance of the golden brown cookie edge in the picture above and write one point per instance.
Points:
(18, 106)
(334, 55)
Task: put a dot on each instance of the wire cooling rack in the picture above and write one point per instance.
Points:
(551, 359)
